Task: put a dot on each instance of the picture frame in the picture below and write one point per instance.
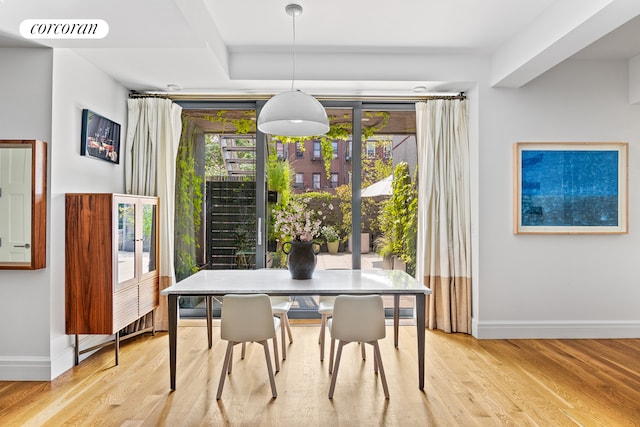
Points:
(571, 188)
(100, 137)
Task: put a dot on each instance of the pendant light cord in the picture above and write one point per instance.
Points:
(293, 73)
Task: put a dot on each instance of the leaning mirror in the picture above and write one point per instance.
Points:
(23, 204)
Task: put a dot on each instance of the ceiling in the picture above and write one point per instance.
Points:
(355, 47)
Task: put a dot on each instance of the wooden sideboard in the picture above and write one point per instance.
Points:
(111, 254)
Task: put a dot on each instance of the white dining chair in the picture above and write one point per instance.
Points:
(248, 318)
(325, 309)
(280, 306)
(357, 318)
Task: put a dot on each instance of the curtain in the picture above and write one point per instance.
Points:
(444, 223)
(153, 135)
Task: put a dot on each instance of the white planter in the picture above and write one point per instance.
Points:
(364, 243)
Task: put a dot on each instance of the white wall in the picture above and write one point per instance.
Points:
(556, 285)
(76, 85)
(25, 113)
(43, 94)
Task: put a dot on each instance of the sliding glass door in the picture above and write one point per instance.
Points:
(233, 180)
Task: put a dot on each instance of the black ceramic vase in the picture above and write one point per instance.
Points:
(301, 259)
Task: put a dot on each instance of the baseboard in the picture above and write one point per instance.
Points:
(556, 330)
(29, 368)
(25, 368)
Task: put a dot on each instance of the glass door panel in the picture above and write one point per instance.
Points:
(388, 216)
(126, 242)
(217, 155)
(149, 237)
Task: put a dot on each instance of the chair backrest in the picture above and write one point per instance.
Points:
(358, 318)
(246, 318)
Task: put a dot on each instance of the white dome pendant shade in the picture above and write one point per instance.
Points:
(293, 113)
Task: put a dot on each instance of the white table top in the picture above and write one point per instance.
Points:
(279, 282)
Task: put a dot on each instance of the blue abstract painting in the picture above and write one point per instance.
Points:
(570, 188)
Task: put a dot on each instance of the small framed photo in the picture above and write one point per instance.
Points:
(567, 188)
(100, 137)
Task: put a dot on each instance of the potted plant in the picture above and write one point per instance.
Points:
(296, 227)
(331, 236)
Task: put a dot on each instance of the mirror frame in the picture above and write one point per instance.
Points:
(38, 205)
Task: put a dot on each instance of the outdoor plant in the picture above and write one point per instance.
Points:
(329, 233)
(188, 205)
(399, 218)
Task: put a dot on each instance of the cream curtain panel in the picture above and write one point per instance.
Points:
(444, 222)
(153, 135)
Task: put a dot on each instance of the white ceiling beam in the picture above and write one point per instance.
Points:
(200, 19)
(563, 30)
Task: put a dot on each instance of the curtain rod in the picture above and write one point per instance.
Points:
(246, 97)
(134, 94)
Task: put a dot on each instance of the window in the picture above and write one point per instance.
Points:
(316, 181)
(282, 154)
(388, 150)
(334, 180)
(348, 150)
(316, 150)
(299, 150)
(334, 147)
(299, 180)
(371, 150)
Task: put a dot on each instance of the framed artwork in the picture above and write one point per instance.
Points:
(566, 188)
(100, 137)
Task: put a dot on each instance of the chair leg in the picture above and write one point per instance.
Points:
(230, 360)
(275, 352)
(225, 366)
(267, 356)
(288, 325)
(378, 357)
(323, 325)
(282, 336)
(333, 346)
(334, 375)
(375, 361)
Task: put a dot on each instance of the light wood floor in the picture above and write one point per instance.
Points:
(469, 383)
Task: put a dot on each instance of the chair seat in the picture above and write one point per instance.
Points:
(280, 307)
(325, 307)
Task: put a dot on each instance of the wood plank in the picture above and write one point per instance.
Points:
(469, 382)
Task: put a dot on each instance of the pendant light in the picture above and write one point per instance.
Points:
(293, 113)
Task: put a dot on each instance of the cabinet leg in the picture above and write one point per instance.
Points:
(77, 351)
(117, 347)
(153, 323)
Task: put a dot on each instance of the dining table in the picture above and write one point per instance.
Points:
(278, 282)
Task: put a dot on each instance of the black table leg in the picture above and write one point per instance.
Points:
(173, 337)
(396, 319)
(420, 330)
(209, 320)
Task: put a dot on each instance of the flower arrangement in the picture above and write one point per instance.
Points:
(294, 221)
(329, 233)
